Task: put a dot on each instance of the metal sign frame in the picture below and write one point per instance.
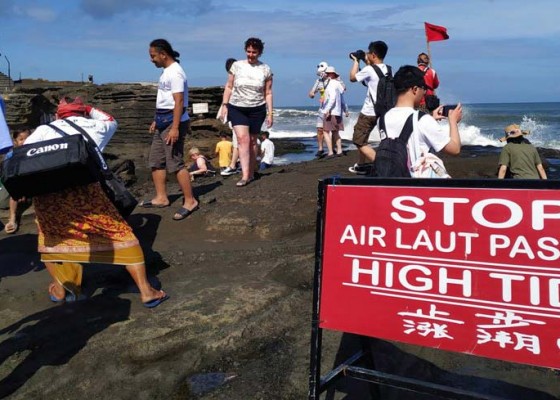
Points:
(353, 367)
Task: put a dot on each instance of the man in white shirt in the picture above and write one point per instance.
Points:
(170, 126)
(427, 133)
(367, 119)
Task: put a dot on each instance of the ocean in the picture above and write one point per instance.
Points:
(481, 127)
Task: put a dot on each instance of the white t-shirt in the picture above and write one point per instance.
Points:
(267, 149)
(100, 126)
(427, 135)
(172, 80)
(248, 84)
(369, 76)
(334, 98)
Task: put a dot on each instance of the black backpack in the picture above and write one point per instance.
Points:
(391, 158)
(386, 92)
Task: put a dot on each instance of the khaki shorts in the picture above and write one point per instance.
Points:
(165, 156)
(362, 129)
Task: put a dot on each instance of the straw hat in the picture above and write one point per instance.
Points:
(513, 131)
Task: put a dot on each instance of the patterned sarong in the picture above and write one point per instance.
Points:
(82, 225)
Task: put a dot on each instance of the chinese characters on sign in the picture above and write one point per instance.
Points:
(474, 271)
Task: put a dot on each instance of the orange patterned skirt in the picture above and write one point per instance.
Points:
(81, 225)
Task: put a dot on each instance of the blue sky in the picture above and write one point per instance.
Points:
(498, 51)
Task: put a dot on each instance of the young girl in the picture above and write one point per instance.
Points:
(12, 226)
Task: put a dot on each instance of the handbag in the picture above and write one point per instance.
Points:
(113, 187)
(48, 166)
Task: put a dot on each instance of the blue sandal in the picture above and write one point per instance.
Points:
(156, 302)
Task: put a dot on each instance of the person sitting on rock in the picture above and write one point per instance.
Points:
(519, 156)
(201, 166)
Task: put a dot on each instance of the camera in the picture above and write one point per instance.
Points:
(359, 55)
(446, 109)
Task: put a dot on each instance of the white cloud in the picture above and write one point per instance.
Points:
(41, 14)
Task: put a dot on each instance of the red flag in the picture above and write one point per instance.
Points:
(435, 32)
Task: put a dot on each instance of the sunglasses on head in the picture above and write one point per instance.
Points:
(511, 133)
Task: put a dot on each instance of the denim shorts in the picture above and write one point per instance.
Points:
(253, 117)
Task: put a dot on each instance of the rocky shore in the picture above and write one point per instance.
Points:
(237, 326)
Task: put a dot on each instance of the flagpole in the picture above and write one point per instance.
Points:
(429, 54)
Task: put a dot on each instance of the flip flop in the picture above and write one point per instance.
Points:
(69, 298)
(150, 204)
(11, 227)
(156, 302)
(243, 182)
(184, 213)
(55, 300)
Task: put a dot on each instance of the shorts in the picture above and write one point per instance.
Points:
(320, 119)
(333, 123)
(362, 129)
(165, 156)
(253, 117)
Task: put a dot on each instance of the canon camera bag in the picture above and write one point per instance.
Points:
(48, 166)
(113, 187)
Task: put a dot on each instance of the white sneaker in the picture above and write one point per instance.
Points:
(358, 169)
(228, 171)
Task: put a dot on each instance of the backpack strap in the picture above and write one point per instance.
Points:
(56, 128)
(407, 128)
(380, 75)
(96, 150)
(82, 131)
(382, 126)
(378, 71)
